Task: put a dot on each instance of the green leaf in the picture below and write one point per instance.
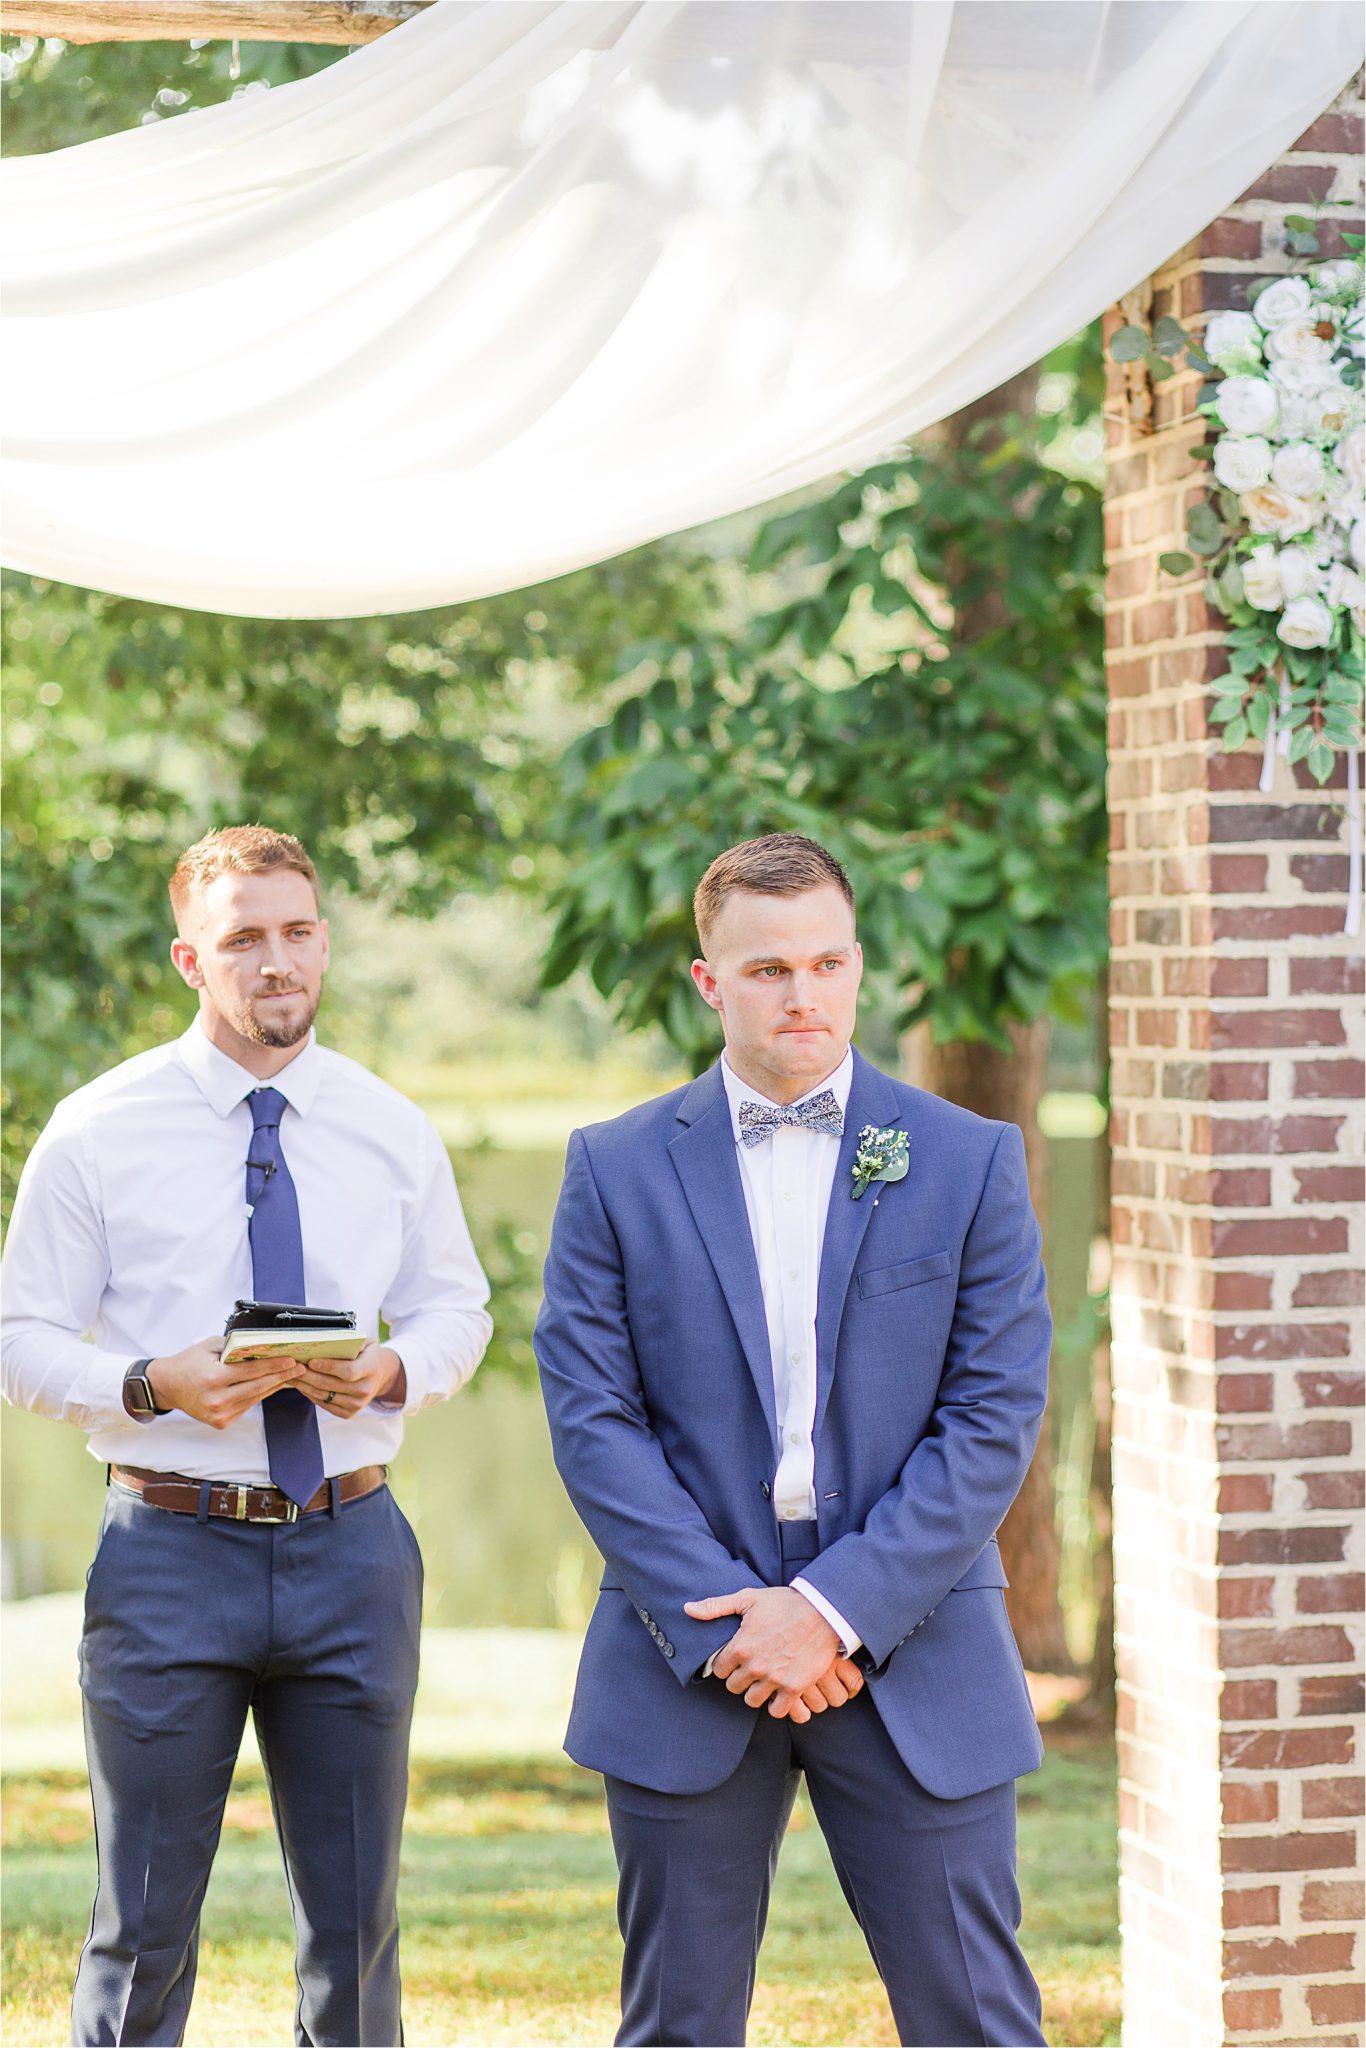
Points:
(1300, 744)
(1159, 369)
(1225, 709)
(1321, 762)
(1177, 563)
(1169, 336)
(1129, 345)
(1234, 734)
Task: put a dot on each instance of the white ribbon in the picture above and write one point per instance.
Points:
(1353, 923)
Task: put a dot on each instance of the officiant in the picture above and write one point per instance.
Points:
(251, 1557)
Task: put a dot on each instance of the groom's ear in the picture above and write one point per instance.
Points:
(706, 984)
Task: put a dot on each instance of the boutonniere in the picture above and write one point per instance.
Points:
(884, 1153)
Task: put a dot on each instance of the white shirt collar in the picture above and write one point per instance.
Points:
(738, 1091)
(223, 1083)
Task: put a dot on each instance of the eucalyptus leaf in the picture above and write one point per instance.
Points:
(1176, 563)
(1129, 344)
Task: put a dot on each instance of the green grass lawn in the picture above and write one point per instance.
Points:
(507, 1904)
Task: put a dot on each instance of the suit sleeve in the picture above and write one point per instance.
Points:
(958, 1482)
(651, 1532)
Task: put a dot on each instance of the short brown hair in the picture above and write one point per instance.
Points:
(236, 850)
(779, 864)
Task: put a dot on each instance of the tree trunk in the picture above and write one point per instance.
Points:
(1008, 1087)
(1100, 1692)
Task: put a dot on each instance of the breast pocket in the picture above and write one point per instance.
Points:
(908, 1273)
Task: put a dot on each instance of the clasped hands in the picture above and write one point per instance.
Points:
(201, 1384)
(784, 1654)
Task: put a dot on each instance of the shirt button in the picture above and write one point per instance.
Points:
(794, 1436)
(792, 1272)
(789, 1514)
(787, 1194)
(796, 1358)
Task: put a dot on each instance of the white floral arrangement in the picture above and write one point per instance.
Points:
(1281, 533)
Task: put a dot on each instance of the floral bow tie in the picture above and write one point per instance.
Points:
(759, 1120)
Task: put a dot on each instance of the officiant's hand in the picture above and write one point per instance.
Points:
(198, 1383)
(344, 1386)
(782, 1650)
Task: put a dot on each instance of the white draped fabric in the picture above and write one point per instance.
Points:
(528, 282)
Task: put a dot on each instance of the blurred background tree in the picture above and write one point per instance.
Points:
(907, 663)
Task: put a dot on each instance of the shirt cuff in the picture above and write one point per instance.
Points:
(849, 1640)
(706, 1668)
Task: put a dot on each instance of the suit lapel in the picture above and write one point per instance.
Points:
(704, 1154)
(872, 1100)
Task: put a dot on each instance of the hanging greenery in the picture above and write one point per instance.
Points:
(1279, 530)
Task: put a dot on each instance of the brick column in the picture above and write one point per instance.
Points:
(1235, 1005)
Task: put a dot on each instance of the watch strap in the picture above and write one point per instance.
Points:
(143, 1403)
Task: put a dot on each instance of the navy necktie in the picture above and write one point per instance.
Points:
(293, 1444)
(759, 1120)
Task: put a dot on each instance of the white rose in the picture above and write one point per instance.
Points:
(1304, 379)
(1242, 462)
(1343, 587)
(1268, 510)
(1298, 469)
(1246, 405)
(1338, 276)
(1332, 410)
(1281, 301)
(1305, 623)
(1350, 457)
(1299, 342)
(1262, 580)
(1299, 417)
(1356, 542)
(1232, 334)
(1298, 572)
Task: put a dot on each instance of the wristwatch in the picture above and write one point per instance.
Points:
(138, 1398)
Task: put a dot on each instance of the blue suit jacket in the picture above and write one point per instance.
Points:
(933, 1336)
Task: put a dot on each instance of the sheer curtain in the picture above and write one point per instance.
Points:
(528, 282)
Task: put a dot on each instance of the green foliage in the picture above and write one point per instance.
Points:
(959, 773)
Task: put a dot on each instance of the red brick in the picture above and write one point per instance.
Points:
(1332, 133)
(1248, 1699)
(1243, 1393)
(1258, 1906)
(1233, 1135)
(1234, 1030)
(1233, 771)
(1301, 1545)
(1333, 1899)
(1330, 1078)
(1238, 874)
(1308, 1133)
(1339, 1693)
(1343, 1288)
(1302, 1958)
(1335, 2004)
(1131, 977)
(1321, 873)
(1243, 1599)
(1289, 1852)
(1330, 1183)
(1241, 1290)
(1265, 925)
(1254, 824)
(1185, 1080)
(1344, 975)
(1334, 1489)
(1245, 1493)
(1332, 1389)
(1332, 1798)
(1283, 1340)
(1330, 1593)
(1303, 183)
(1237, 978)
(1232, 238)
(1285, 1749)
(1244, 1646)
(1252, 2011)
(1247, 1187)
(1282, 1237)
(1243, 1804)
(1160, 1027)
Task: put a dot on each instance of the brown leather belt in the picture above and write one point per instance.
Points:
(240, 1503)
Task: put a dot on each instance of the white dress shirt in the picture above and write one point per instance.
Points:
(131, 1226)
(787, 1182)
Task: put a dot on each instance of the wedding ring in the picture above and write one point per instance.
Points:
(328, 1399)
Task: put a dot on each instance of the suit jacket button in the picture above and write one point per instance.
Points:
(668, 1649)
(643, 1615)
(765, 1489)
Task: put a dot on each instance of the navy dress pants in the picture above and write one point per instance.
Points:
(930, 1881)
(312, 1627)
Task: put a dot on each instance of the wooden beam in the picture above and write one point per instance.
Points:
(251, 21)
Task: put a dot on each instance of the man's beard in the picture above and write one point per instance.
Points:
(277, 1035)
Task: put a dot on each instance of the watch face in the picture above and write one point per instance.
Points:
(139, 1394)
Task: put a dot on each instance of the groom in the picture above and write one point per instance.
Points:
(794, 1351)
